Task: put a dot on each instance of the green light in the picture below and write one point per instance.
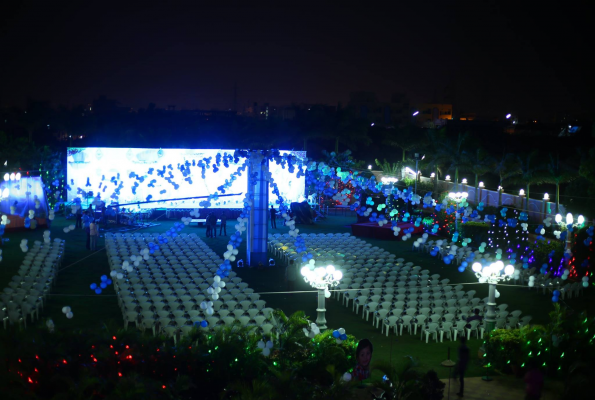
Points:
(508, 362)
(562, 356)
(522, 365)
(236, 360)
(275, 363)
(216, 347)
(209, 351)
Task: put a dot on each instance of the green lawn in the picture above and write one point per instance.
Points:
(81, 267)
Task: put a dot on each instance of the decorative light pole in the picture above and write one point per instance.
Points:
(321, 278)
(492, 274)
(458, 198)
(570, 225)
(417, 157)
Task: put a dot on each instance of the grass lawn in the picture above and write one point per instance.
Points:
(81, 267)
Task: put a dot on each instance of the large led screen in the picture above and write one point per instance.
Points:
(129, 175)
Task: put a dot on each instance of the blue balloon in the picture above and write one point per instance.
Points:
(93, 286)
(109, 281)
(464, 264)
(103, 285)
(103, 278)
(98, 291)
(461, 269)
(336, 334)
(556, 293)
(204, 324)
(433, 253)
(343, 337)
(555, 299)
(447, 260)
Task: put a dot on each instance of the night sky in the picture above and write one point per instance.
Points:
(489, 58)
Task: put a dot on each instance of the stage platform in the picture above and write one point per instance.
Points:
(373, 230)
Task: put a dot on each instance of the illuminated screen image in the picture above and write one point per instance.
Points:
(131, 175)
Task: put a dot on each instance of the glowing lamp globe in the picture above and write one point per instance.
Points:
(320, 271)
(330, 269)
(6, 176)
(305, 271)
(476, 267)
(558, 218)
(581, 220)
(569, 219)
(509, 270)
(338, 275)
(12, 176)
(18, 176)
(499, 265)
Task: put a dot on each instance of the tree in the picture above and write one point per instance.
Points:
(393, 169)
(505, 167)
(557, 173)
(407, 138)
(479, 163)
(530, 173)
(433, 159)
(452, 153)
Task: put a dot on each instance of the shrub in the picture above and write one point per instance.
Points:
(476, 231)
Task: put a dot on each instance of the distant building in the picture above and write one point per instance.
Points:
(390, 114)
(432, 115)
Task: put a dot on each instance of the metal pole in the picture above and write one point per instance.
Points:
(415, 176)
(490, 317)
(321, 310)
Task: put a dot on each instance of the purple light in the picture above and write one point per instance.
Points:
(415, 113)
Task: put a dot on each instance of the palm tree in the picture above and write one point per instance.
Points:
(506, 167)
(453, 153)
(557, 173)
(393, 169)
(433, 159)
(479, 163)
(530, 173)
(406, 138)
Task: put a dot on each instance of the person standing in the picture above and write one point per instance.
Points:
(223, 223)
(86, 226)
(533, 381)
(79, 217)
(462, 364)
(273, 217)
(93, 233)
(214, 225)
(208, 224)
(290, 275)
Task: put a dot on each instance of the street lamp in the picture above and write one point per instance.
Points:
(492, 274)
(417, 157)
(458, 198)
(570, 225)
(321, 278)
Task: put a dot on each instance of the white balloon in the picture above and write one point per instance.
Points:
(69, 315)
(266, 352)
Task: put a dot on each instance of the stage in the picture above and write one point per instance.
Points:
(373, 230)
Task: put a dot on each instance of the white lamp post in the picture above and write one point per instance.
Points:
(570, 225)
(492, 274)
(457, 197)
(321, 278)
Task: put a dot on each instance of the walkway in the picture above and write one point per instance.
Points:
(501, 388)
